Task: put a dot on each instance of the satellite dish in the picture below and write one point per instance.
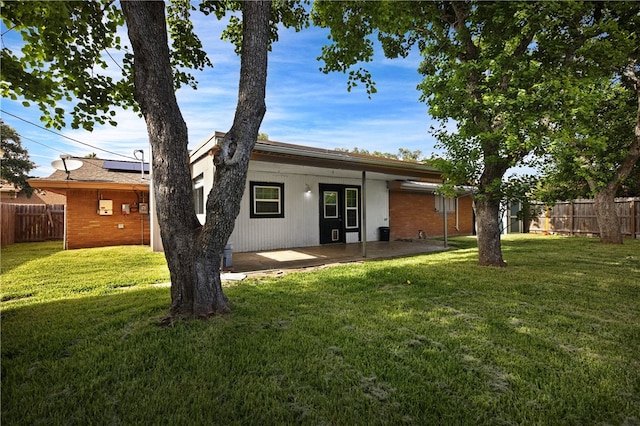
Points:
(66, 164)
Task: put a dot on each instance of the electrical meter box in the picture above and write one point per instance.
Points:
(126, 209)
(143, 208)
(106, 208)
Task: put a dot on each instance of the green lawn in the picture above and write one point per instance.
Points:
(432, 339)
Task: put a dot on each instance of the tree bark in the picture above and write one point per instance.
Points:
(193, 252)
(231, 160)
(487, 203)
(607, 216)
(488, 230)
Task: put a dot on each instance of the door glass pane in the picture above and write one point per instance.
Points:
(330, 204)
(352, 198)
(351, 207)
(352, 218)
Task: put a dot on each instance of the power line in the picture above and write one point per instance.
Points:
(114, 61)
(67, 137)
(40, 143)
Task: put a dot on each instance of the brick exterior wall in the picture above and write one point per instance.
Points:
(86, 228)
(410, 212)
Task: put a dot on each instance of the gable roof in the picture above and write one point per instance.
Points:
(284, 153)
(96, 173)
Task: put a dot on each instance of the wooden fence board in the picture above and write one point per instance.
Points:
(7, 224)
(578, 217)
(32, 222)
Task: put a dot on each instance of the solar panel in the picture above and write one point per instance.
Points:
(124, 166)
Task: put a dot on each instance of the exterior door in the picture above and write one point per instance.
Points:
(339, 213)
(331, 215)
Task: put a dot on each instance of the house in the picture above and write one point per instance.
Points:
(8, 191)
(107, 201)
(299, 196)
(39, 197)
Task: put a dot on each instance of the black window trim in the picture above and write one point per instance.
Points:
(252, 213)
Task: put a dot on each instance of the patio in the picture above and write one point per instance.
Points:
(307, 257)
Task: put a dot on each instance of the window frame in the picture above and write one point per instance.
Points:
(355, 208)
(452, 204)
(253, 213)
(198, 194)
(334, 205)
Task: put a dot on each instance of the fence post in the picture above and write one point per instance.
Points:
(571, 221)
(632, 218)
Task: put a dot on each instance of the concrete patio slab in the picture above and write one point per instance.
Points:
(307, 257)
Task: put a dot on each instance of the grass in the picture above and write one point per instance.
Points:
(433, 339)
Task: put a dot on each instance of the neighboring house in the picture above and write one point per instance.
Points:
(37, 197)
(8, 191)
(297, 196)
(107, 202)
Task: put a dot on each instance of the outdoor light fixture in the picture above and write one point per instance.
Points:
(307, 188)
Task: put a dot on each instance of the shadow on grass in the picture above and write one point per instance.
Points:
(431, 339)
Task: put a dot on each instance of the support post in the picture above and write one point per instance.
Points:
(364, 214)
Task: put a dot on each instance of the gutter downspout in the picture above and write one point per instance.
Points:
(64, 231)
(444, 209)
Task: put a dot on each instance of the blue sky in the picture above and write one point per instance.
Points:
(304, 106)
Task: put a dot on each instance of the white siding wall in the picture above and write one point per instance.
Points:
(377, 207)
(204, 167)
(300, 226)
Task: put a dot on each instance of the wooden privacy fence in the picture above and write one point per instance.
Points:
(578, 217)
(31, 222)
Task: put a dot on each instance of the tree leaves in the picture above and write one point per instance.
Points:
(15, 164)
(62, 58)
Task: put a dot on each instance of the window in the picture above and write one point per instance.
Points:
(267, 200)
(449, 203)
(351, 207)
(330, 204)
(198, 194)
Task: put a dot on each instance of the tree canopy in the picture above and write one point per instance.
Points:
(14, 159)
(500, 73)
(403, 154)
(482, 72)
(596, 141)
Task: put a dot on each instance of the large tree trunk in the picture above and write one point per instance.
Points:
(604, 200)
(231, 160)
(488, 232)
(607, 216)
(193, 252)
(487, 204)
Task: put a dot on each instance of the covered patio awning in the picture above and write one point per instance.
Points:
(428, 187)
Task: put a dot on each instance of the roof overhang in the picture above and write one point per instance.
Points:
(338, 160)
(61, 186)
(278, 152)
